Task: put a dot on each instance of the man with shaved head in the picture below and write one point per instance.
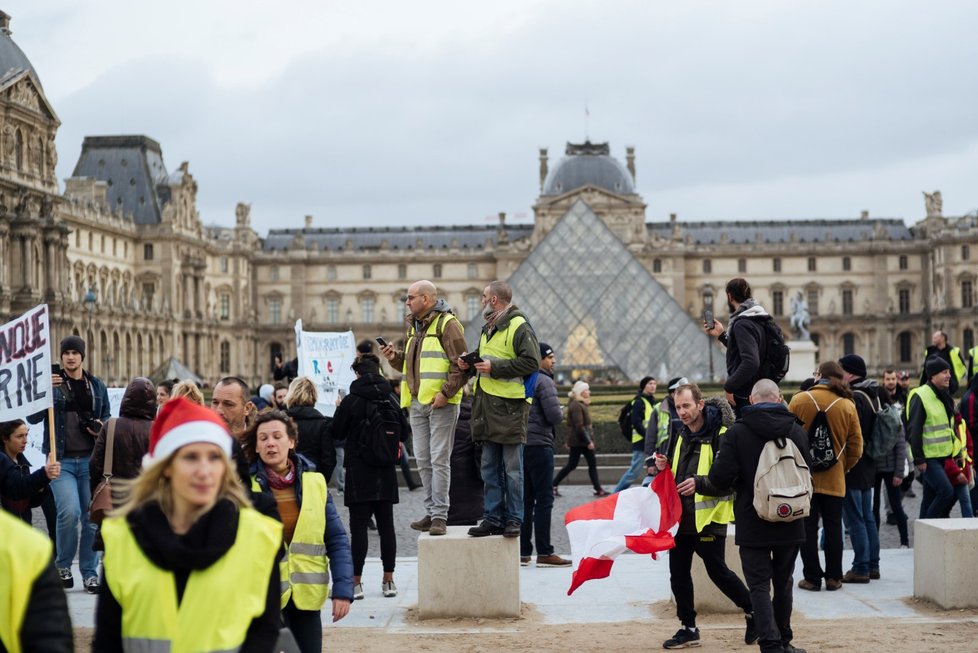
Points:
(431, 387)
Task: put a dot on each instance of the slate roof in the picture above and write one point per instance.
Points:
(398, 238)
(13, 61)
(133, 167)
(588, 164)
(780, 231)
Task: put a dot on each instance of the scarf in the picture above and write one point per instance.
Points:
(492, 317)
(281, 481)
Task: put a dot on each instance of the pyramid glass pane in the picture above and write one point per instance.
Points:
(601, 310)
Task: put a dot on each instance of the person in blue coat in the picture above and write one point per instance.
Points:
(20, 489)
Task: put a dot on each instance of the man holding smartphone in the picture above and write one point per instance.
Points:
(431, 388)
(81, 406)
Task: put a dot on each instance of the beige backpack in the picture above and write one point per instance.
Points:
(783, 483)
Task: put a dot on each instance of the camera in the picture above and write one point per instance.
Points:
(90, 423)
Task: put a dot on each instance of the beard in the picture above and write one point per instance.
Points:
(488, 311)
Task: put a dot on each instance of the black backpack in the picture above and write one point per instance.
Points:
(777, 355)
(380, 433)
(625, 420)
(820, 441)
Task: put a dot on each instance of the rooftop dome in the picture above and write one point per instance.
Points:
(588, 164)
(13, 61)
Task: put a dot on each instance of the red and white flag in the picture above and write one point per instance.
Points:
(639, 519)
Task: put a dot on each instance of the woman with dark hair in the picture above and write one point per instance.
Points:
(832, 396)
(164, 391)
(371, 489)
(316, 546)
(20, 490)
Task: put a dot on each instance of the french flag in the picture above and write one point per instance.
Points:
(639, 519)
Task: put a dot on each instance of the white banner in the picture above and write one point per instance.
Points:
(325, 357)
(36, 432)
(25, 365)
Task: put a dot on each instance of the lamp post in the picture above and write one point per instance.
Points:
(91, 302)
(708, 306)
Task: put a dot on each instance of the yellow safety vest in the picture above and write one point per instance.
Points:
(219, 603)
(433, 364)
(938, 435)
(24, 553)
(500, 347)
(957, 363)
(638, 437)
(662, 424)
(718, 510)
(973, 360)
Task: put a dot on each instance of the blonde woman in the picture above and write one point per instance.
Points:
(188, 565)
(315, 440)
(189, 390)
(580, 438)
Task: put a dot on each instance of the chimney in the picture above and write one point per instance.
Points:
(5, 23)
(308, 222)
(543, 167)
(864, 215)
(630, 161)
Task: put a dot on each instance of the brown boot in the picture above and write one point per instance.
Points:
(422, 524)
(438, 527)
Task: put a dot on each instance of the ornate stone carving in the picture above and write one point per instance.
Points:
(9, 144)
(933, 203)
(242, 213)
(800, 318)
(25, 95)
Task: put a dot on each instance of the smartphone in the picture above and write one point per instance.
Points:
(472, 358)
(381, 341)
(708, 320)
(55, 369)
(341, 393)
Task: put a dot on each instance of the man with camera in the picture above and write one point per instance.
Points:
(81, 405)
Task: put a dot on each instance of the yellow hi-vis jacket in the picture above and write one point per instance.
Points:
(708, 509)
(638, 437)
(24, 553)
(219, 602)
(500, 346)
(433, 364)
(304, 567)
(938, 434)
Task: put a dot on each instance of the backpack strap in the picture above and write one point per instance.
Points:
(879, 404)
(826, 411)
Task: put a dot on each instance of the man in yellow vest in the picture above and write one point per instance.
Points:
(941, 348)
(930, 427)
(972, 363)
(706, 511)
(509, 358)
(431, 387)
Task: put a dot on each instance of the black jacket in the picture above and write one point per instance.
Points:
(545, 412)
(315, 438)
(736, 465)
(131, 437)
(744, 339)
(211, 536)
(863, 475)
(47, 626)
(466, 491)
(18, 483)
(365, 482)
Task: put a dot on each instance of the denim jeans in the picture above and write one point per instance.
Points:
(963, 498)
(938, 494)
(502, 472)
(433, 430)
(538, 499)
(885, 487)
(634, 469)
(72, 494)
(857, 512)
(340, 469)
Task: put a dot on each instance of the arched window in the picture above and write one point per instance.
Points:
(905, 341)
(225, 357)
(19, 150)
(657, 266)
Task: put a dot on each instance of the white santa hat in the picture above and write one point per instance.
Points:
(181, 422)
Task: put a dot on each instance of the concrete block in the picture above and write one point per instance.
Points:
(707, 598)
(463, 576)
(944, 569)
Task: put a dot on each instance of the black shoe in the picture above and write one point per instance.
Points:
(788, 648)
(750, 634)
(684, 638)
(512, 529)
(67, 580)
(890, 519)
(486, 528)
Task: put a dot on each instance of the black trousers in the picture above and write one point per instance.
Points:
(710, 549)
(383, 512)
(306, 627)
(575, 457)
(538, 499)
(829, 509)
(762, 567)
(884, 483)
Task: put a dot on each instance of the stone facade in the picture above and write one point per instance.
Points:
(127, 234)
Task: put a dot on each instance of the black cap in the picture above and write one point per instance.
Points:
(853, 364)
(545, 350)
(935, 365)
(645, 379)
(73, 343)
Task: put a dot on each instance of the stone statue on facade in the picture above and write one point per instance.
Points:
(800, 318)
(934, 204)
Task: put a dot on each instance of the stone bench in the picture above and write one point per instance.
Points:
(463, 576)
(707, 597)
(944, 569)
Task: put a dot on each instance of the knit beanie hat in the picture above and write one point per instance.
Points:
(645, 379)
(545, 350)
(181, 422)
(854, 365)
(579, 387)
(935, 365)
(73, 343)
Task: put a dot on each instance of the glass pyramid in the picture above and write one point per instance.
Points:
(602, 311)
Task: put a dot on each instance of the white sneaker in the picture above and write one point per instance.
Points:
(389, 589)
(358, 592)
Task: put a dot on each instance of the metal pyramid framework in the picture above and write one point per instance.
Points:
(601, 310)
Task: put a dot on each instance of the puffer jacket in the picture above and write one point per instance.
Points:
(497, 419)
(132, 427)
(21, 490)
(847, 435)
(315, 438)
(545, 412)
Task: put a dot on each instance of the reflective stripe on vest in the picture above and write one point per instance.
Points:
(433, 364)
(938, 435)
(219, 602)
(500, 347)
(638, 437)
(958, 367)
(662, 424)
(305, 567)
(24, 554)
(717, 510)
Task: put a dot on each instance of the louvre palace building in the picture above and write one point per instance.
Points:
(122, 257)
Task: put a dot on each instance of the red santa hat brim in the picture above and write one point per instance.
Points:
(181, 422)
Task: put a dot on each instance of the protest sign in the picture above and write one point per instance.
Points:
(25, 365)
(36, 432)
(325, 357)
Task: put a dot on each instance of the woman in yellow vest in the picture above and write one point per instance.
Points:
(189, 566)
(316, 544)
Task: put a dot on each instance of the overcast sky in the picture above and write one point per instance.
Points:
(409, 113)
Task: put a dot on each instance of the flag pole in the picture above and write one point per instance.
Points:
(53, 454)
